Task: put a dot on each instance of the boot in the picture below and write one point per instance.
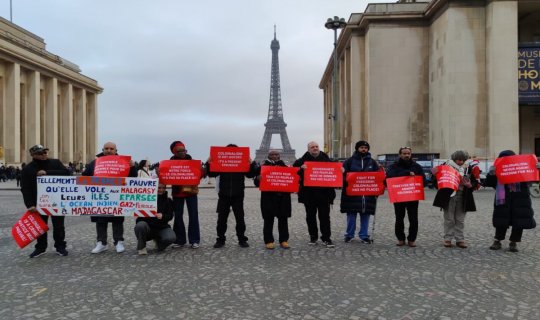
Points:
(513, 247)
(496, 245)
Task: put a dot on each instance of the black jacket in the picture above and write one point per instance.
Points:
(165, 207)
(362, 204)
(517, 210)
(232, 184)
(314, 195)
(274, 204)
(53, 167)
(89, 171)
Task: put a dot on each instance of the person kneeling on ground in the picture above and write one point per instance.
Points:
(156, 228)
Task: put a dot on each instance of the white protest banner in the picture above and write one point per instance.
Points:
(96, 196)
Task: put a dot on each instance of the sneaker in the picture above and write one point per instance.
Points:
(412, 244)
(461, 244)
(284, 245)
(496, 245)
(37, 253)
(513, 247)
(142, 252)
(100, 247)
(62, 252)
(400, 243)
(347, 239)
(366, 241)
(177, 245)
(120, 247)
(195, 245)
(219, 244)
(270, 246)
(243, 244)
(312, 242)
(329, 244)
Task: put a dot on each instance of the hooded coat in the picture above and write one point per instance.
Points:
(363, 204)
(314, 195)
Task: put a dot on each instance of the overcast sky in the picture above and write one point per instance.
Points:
(196, 71)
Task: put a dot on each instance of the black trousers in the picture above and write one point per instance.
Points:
(223, 209)
(59, 233)
(283, 229)
(117, 229)
(411, 208)
(324, 220)
(515, 234)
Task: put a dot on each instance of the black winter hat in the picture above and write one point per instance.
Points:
(176, 144)
(360, 144)
(506, 153)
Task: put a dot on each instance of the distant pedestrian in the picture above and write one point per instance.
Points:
(456, 204)
(42, 165)
(18, 176)
(316, 200)
(143, 169)
(512, 207)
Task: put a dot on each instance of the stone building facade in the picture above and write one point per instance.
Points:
(44, 99)
(437, 76)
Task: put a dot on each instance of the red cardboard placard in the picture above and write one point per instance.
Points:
(229, 159)
(518, 168)
(403, 189)
(447, 177)
(180, 172)
(112, 166)
(323, 174)
(28, 228)
(279, 179)
(365, 183)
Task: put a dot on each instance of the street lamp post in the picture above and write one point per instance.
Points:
(335, 24)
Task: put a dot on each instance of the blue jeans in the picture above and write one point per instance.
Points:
(351, 225)
(193, 215)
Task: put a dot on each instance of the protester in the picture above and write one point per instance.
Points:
(189, 195)
(403, 167)
(156, 228)
(364, 206)
(109, 149)
(316, 200)
(231, 194)
(143, 169)
(512, 207)
(274, 205)
(456, 204)
(41, 165)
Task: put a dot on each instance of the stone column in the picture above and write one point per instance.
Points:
(91, 123)
(501, 74)
(12, 114)
(66, 123)
(33, 122)
(79, 120)
(51, 117)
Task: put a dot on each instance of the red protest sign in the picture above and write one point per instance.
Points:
(279, 179)
(365, 183)
(403, 189)
(229, 159)
(112, 166)
(323, 174)
(518, 168)
(180, 172)
(447, 177)
(28, 228)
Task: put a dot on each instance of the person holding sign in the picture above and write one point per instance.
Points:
(363, 205)
(316, 199)
(403, 167)
(187, 194)
(512, 208)
(231, 194)
(274, 205)
(41, 165)
(109, 149)
(156, 228)
(456, 203)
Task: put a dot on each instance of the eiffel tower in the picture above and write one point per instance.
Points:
(275, 123)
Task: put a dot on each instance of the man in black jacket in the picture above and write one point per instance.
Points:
(403, 167)
(316, 199)
(41, 165)
(109, 149)
(231, 194)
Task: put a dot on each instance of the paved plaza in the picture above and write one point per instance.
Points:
(350, 281)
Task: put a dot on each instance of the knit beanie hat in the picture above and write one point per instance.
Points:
(360, 144)
(176, 144)
(507, 153)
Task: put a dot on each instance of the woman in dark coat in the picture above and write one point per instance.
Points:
(512, 207)
(275, 205)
